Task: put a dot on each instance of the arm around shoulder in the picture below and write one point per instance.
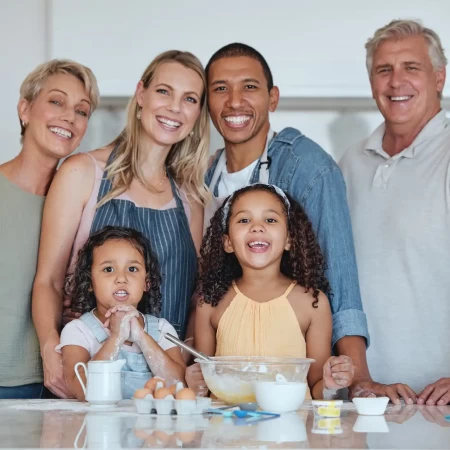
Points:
(63, 208)
(64, 205)
(74, 348)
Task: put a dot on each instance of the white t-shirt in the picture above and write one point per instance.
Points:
(78, 333)
(231, 182)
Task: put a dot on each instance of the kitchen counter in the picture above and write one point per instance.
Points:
(70, 424)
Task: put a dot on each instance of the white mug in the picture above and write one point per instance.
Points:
(103, 381)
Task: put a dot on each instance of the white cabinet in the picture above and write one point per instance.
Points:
(314, 48)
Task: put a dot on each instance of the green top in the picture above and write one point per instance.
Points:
(20, 225)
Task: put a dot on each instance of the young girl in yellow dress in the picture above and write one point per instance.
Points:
(262, 288)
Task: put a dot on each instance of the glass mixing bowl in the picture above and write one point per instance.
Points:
(231, 378)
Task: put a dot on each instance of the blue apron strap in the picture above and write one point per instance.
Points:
(175, 192)
(95, 326)
(152, 326)
(106, 184)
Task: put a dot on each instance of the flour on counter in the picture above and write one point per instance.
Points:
(68, 405)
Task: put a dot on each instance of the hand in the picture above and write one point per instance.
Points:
(68, 314)
(369, 388)
(436, 415)
(53, 370)
(118, 320)
(195, 381)
(399, 414)
(137, 328)
(338, 372)
(437, 393)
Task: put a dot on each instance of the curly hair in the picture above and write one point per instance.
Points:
(303, 262)
(78, 286)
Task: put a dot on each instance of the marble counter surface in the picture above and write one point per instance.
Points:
(69, 424)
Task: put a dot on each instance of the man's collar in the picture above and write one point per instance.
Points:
(375, 141)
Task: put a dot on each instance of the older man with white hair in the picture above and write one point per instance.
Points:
(398, 185)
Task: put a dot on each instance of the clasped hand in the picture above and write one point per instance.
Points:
(338, 372)
(124, 323)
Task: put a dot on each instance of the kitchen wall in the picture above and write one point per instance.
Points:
(23, 37)
(315, 50)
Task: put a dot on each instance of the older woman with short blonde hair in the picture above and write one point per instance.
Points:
(56, 101)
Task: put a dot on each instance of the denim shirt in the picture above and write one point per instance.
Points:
(305, 171)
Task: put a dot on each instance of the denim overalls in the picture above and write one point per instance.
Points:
(136, 371)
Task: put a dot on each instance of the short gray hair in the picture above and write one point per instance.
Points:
(399, 29)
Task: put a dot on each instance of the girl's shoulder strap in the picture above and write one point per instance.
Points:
(95, 326)
(236, 289)
(152, 326)
(289, 289)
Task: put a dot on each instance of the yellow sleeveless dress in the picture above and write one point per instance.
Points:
(249, 328)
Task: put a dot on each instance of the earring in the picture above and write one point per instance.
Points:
(191, 134)
(138, 114)
(24, 124)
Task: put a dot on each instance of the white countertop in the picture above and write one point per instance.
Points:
(69, 424)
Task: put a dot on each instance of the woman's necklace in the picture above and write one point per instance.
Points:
(155, 186)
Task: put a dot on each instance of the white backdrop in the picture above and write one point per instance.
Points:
(315, 49)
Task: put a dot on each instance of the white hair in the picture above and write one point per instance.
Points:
(399, 29)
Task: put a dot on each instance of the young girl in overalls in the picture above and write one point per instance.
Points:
(262, 287)
(116, 285)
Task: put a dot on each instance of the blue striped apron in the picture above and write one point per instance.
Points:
(171, 239)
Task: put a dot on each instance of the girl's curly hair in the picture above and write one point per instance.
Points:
(303, 262)
(78, 286)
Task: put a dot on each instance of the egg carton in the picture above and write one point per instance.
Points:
(169, 405)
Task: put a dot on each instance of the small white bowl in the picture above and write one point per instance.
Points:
(371, 406)
(287, 428)
(280, 397)
(366, 424)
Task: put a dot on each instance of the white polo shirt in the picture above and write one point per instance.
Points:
(400, 210)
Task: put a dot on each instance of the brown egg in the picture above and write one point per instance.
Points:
(185, 394)
(161, 393)
(178, 385)
(141, 434)
(186, 436)
(161, 437)
(141, 393)
(151, 441)
(151, 384)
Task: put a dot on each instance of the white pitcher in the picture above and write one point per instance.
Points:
(103, 381)
(103, 431)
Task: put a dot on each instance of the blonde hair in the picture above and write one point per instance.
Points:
(187, 159)
(399, 29)
(32, 85)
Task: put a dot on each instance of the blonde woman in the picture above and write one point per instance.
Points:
(150, 178)
(56, 100)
